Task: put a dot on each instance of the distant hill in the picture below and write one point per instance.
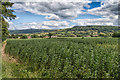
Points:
(80, 31)
(98, 28)
(29, 31)
(76, 30)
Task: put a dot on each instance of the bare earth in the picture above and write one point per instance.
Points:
(7, 57)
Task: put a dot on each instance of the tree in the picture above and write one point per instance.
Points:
(12, 36)
(116, 34)
(49, 35)
(34, 36)
(79, 35)
(23, 37)
(102, 34)
(7, 13)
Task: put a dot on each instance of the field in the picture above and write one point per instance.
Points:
(66, 58)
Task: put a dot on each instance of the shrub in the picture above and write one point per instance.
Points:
(116, 34)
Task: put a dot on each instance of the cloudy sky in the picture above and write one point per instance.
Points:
(59, 15)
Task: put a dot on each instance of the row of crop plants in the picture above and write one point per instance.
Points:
(68, 58)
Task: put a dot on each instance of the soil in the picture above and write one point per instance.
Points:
(7, 57)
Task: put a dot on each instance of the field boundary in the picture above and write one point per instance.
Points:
(7, 57)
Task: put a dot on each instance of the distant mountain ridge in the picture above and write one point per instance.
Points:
(75, 28)
(29, 31)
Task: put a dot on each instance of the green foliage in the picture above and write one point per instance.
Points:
(29, 31)
(23, 37)
(116, 34)
(95, 28)
(50, 34)
(15, 36)
(82, 37)
(14, 70)
(68, 58)
(101, 34)
(79, 35)
(35, 36)
(8, 14)
(4, 29)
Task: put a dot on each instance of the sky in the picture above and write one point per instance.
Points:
(60, 15)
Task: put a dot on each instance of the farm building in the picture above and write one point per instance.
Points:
(53, 36)
(29, 37)
(46, 37)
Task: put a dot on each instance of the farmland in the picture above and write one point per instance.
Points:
(67, 58)
(75, 31)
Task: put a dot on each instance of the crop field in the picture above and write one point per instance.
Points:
(68, 58)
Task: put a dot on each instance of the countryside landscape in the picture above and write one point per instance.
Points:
(58, 40)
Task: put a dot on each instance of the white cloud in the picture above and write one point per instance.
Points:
(108, 10)
(10, 23)
(87, 6)
(55, 23)
(98, 21)
(6, 20)
(17, 18)
(55, 10)
(43, 25)
(52, 17)
(50, 1)
(34, 27)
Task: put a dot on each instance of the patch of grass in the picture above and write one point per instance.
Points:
(13, 70)
(7, 69)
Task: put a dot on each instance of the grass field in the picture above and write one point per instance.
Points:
(63, 58)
